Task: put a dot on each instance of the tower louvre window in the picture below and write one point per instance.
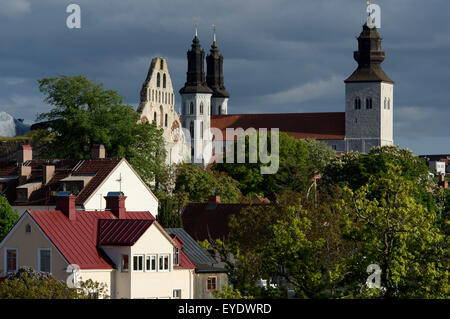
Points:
(158, 80)
(161, 65)
(357, 103)
(368, 103)
(154, 116)
(191, 108)
(191, 129)
(201, 108)
(165, 120)
(164, 81)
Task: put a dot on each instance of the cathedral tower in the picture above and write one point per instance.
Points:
(196, 105)
(369, 98)
(214, 79)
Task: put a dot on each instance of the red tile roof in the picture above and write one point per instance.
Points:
(322, 126)
(77, 240)
(100, 168)
(201, 220)
(121, 232)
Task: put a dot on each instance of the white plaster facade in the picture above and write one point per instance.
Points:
(196, 110)
(219, 105)
(371, 124)
(139, 195)
(158, 105)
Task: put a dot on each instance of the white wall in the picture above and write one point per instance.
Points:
(139, 197)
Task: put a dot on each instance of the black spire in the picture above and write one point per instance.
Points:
(369, 57)
(195, 81)
(214, 72)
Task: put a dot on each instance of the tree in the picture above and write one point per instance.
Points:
(8, 217)
(169, 215)
(29, 284)
(398, 234)
(294, 173)
(320, 154)
(200, 184)
(85, 113)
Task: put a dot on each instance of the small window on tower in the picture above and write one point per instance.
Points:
(164, 80)
(191, 129)
(191, 108)
(357, 103)
(368, 103)
(165, 120)
(158, 80)
(154, 116)
(162, 64)
(201, 108)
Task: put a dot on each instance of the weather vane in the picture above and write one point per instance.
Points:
(196, 26)
(214, 28)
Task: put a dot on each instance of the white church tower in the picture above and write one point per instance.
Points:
(196, 106)
(369, 101)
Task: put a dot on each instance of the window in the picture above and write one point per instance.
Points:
(191, 111)
(357, 103)
(153, 95)
(150, 263)
(161, 64)
(11, 260)
(164, 263)
(28, 229)
(191, 129)
(154, 116)
(212, 283)
(45, 259)
(165, 120)
(176, 256)
(138, 263)
(201, 129)
(124, 263)
(334, 147)
(368, 103)
(164, 81)
(158, 80)
(159, 97)
(201, 108)
(177, 294)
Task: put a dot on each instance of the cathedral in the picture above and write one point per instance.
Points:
(366, 122)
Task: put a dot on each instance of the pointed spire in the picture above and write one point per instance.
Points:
(214, 72)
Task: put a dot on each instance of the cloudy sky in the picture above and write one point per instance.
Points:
(280, 55)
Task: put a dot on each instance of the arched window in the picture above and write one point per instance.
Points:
(161, 65)
(357, 103)
(201, 129)
(201, 108)
(368, 103)
(165, 121)
(164, 81)
(154, 117)
(158, 80)
(191, 129)
(191, 108)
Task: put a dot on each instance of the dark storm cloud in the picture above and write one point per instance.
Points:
(280, 55)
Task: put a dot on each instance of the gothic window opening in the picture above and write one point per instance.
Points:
(191, 108)
(191, 129)
(161, 64)
(201, 108)
(368, 103)
(165, 120)
(158, 80)
(357, 103)
(154, 117)
(164, 81)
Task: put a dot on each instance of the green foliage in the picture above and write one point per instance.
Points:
(169, 214)
(398, 234)
(320, 154)
(8, 217)
(85, 113)
(200, 184)
(294, 173)
(229, 293)
(29, 284)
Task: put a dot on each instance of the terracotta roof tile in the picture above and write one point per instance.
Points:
(324, 126)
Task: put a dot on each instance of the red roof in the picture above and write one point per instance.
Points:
(79, 241)
(321, 126)
(121, 232)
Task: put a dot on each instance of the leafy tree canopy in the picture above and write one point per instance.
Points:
(8, 217)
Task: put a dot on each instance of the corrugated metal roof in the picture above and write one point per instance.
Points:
(77, 240)
(193, 250)
(121, 232)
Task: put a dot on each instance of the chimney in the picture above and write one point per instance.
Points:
(24, 174)
(214, 199)
(47, 173)
(24, 154)
(65, 202)
(98, 151)
(115, 202)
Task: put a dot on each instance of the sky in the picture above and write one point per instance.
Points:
(280, 56)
